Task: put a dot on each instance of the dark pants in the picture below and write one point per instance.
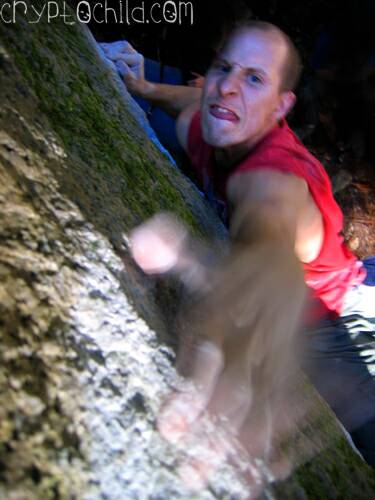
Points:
(340, 360)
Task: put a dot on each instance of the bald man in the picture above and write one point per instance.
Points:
(285, 229)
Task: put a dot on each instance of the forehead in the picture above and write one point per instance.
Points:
(253, 48)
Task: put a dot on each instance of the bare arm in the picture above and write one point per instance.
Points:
(247, 314)
(183, 123)
(173, 99)
(278, 206)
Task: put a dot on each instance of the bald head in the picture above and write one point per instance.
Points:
(291, 66)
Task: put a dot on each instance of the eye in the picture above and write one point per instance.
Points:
(221, 66)
(254, 79)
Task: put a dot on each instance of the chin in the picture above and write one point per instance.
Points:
(215, 141)
(218, 137)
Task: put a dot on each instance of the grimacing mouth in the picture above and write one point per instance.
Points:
(222, 109)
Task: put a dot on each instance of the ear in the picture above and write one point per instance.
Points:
(286, 103)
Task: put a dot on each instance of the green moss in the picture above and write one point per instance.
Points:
(86, 124)
(335, 472)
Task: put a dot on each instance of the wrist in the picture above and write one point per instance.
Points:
(140, 88)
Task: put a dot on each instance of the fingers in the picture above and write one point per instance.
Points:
(193, 83)
(226, 394)
(184, 408)
(179, 413)
(123, 69)
(128, 61)
(206, 446)
(232, 398)
(130, 65)
(257, 428)
(136, 64)
(131, 59)
(112, 50)
(197, 82)
(208, 362)
(207, 449)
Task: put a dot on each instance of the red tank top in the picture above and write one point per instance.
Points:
(335, 269)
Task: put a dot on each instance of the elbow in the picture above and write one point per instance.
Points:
(309, 241)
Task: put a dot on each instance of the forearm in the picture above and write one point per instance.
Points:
(171, 98)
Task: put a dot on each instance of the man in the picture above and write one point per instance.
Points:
(282, 220)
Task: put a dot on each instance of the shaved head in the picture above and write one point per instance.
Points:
(291, 66)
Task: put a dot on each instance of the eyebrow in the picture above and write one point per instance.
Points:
(247, 69)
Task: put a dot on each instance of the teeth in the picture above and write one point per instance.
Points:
(223, 110)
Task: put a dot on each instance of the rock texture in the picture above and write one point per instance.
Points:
(353, 182)
(86, 346)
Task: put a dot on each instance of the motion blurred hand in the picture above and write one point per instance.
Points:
(158, 245)
(244, 328)
(129, 63)
(197, 81)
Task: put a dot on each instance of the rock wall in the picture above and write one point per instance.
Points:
(86, 343)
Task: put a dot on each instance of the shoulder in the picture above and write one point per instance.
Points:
(267, 183)
(184, 122)
(283, 152)
(281, 195)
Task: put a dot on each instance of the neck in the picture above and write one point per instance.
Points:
(232, 155)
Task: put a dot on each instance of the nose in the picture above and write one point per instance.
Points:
(228, 83)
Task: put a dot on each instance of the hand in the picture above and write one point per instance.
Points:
(158, 245)
(239, 361)
(129, 63)
(163, 245)
(197, 82)
(242, 363)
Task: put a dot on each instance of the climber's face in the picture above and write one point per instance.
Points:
(242, 99)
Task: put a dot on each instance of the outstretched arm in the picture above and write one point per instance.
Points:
(248, 311)
(251, 313)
